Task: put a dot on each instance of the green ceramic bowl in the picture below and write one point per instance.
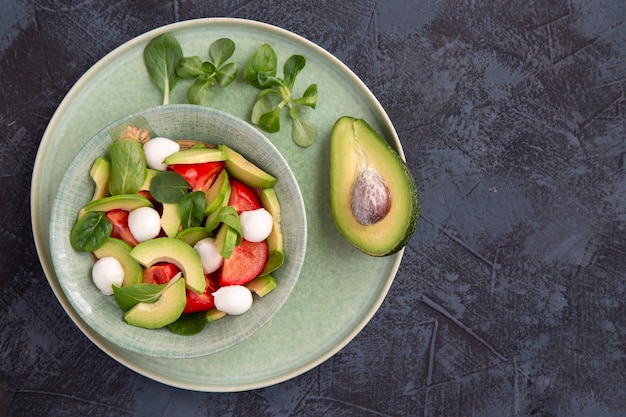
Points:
(101, 312)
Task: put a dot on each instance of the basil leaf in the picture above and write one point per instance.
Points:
(263, 60)
(90, 231)
(189, 324)
(192, 209)
(168, 187)
(161, 56)
(221, 50)
(129, 296)
(303, 133)
(128, 167)
(228, 215)
(293, 66)
(189, 67)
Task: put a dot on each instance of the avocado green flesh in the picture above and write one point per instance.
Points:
(120, 250)
(276, 257)
(226, 240)
(163, 311)
(214, 314)
(245, 171)
(195, 156)
(121, 201)
(262, 285)
(170, 219)
(213, 219)
(150, 173)
(355, 147)
(100, 173)
(216, 193)
(192, 235)
(173, 250)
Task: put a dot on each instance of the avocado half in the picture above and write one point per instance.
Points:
(373, 196)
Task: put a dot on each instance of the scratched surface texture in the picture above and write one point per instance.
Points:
(510, 300)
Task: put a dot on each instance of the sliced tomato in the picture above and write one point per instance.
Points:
(246, 263)
(203, 302)
(119, 220)
(242, 197)
(198, 176)
(160, 273)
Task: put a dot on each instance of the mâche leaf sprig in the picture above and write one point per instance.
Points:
(277, 93)
(208, 74)
(166, 65)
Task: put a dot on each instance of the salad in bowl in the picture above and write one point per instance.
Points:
(178, 231)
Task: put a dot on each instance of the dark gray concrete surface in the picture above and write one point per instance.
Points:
(510, 300)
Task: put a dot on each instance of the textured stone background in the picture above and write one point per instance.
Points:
(510, 298)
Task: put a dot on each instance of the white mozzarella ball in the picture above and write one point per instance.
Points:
(256, 224)
(157, 149)
(144, 223)
(209, 255)
(233, 299)
(107, 271)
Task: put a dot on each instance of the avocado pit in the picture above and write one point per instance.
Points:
(370, 197)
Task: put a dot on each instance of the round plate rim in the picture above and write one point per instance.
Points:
(44, 257)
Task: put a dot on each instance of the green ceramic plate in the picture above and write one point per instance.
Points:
(339, 288)
(73, 269)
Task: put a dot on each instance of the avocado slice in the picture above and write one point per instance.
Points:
(170, 249)
(100, 173)
(150, 173)
(163, 311)
(226, 240)
(213, 219)
(214, 314)
(245, 171)
(170, 219)
(120, 250)
(126, 202)
(216, 193)
(276, 257)
(373, 196)
(262, 285)
(195, 156)
(192, 235)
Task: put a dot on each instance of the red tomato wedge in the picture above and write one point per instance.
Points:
(160, 273)
(198, 176)
(203, 302)
(119, 220)
(242, 197)
(246, 263)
